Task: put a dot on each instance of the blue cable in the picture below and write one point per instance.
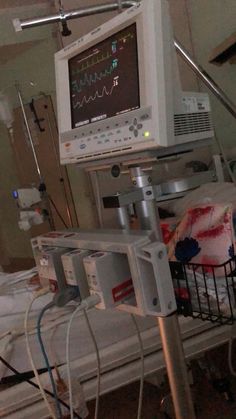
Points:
(57, 403)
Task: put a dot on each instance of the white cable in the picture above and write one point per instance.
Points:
(37, 295)
(98, 364)
(231, 368)
(85, 305)
(51, 323)
(140, 401)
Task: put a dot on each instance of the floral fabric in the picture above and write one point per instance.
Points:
(205, 235)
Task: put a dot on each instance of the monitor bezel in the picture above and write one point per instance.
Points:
(154, 61)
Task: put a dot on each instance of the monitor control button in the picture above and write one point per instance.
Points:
(135, 122)
(135, 127)
(144, 117)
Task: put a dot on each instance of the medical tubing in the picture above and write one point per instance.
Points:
(57, 404)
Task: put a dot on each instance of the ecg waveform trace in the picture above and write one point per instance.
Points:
(92, 63)
(88, 80)
(91, 98)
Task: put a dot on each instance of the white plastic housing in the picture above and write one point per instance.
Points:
(154, 118)
(74, 270)
(109, 277)
(147, 260)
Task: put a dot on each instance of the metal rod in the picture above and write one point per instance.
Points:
(29, 135)
(206, 78)
(123, 218)
(176, 367)
(62, 183)
(146, 210)
(71, 14)
(169, 326)
(96, 191)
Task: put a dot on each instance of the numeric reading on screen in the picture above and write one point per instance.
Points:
(104, 79)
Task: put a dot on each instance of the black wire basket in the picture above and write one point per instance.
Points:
(206, 292)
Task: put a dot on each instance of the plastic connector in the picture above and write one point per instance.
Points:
(42, 291)
(17, 25)
(90, 302)
(61, 298)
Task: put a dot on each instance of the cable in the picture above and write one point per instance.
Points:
(47, 307)
(98, 364)
(231, 368)
(36, 374)
(17, 373)
(57, 211)
(140, 402)
(84, 305)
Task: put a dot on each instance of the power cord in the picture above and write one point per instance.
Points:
(84, 305)
(98, 364)
(140, 401)
(230, 361)
(58, 407)
(57, 211)
(36, 374)
(18, 374)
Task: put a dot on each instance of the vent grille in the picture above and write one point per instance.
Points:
(89, 156)
(192, 123)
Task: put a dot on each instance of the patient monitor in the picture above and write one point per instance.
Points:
(118, 91)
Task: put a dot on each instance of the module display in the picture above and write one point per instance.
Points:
(104, 80)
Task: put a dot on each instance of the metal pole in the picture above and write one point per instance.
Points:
(207, 80)
(176, 367)
(29, 135)
(146, 210)
(169, 326)
(71, 14)
(68, 211)
(123, 218)
(96, 191)
(44, 193)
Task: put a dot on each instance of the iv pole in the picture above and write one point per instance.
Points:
(169, 326)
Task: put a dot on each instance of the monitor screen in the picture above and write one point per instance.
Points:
(104, 79)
